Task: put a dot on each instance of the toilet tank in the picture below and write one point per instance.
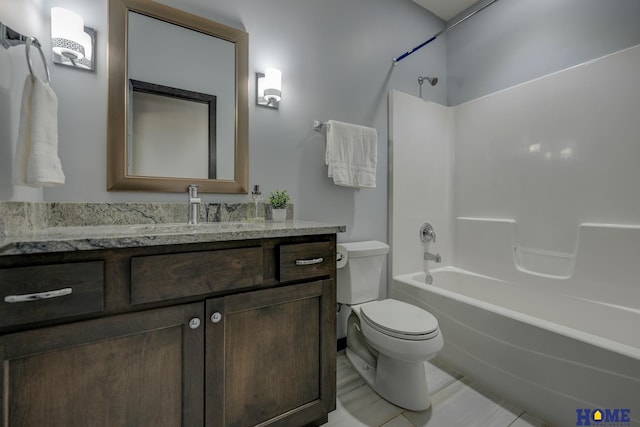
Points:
(359, 278)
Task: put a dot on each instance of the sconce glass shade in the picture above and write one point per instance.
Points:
(72, 43)
(67, 33)
(269, 88)
(272, 84)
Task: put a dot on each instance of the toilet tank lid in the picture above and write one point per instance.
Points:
(362, 249)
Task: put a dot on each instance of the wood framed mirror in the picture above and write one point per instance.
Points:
(170, 48)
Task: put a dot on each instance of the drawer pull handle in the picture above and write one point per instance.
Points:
(38, 296)
(309, 261)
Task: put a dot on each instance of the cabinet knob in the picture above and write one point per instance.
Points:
(194, 323)
(216, 317)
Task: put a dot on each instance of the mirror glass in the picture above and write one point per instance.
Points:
(160, 116)
(177, 101)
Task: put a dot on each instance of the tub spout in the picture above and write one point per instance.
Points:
(431, 257)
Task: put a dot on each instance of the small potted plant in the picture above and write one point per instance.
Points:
(279, 200)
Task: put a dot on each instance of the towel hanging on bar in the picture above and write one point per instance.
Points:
(36, 161)
(351, 154)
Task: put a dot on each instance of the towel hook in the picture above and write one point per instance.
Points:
(34, 41)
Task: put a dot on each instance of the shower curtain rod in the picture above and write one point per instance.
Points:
(439, 33)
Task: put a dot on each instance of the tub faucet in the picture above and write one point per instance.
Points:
(431, 257)
(428, 278)
(194, 201)
(427, 233)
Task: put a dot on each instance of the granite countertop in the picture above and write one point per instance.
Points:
(84, 238)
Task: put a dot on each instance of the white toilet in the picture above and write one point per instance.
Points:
(388, 341)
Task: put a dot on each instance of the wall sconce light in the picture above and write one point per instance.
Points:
(72, 43)
(269, 86)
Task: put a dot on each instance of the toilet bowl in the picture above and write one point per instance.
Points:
(388, 341)
(390, 355)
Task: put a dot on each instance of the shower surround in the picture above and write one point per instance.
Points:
(535, 187)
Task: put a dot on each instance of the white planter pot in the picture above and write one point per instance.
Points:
(279, 215)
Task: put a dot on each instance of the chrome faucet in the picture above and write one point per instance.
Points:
(427, 233)
(428, 278)
(431, 257)
(194, 201)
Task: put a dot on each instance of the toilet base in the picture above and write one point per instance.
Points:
(401, 383)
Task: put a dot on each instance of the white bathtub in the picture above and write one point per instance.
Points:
(551, 354)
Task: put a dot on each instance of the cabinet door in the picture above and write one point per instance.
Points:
(271, 356)
(138, 369)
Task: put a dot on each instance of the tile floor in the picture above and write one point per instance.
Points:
(456, 402)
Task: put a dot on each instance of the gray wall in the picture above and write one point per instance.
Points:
(514, 41)
(335, 57)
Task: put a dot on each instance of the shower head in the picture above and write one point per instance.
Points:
(431, 80)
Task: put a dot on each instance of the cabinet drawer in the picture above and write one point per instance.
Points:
(46, 292)
(163, 277)
(306, 260)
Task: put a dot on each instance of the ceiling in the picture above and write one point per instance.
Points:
(445, 9)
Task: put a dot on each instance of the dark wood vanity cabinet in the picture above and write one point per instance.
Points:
(134, 369)
(267, 356)
(216, 334)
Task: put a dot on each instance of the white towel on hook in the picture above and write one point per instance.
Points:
(36, 162)
(352, 154)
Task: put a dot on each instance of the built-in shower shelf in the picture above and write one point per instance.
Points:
(557, 265)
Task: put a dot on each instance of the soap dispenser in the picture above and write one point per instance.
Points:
(254, 214)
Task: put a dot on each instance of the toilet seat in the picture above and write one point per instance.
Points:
(400, 320)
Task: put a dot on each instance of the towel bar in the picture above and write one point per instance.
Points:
(318, 126)
(34, 41)
(9, 37)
